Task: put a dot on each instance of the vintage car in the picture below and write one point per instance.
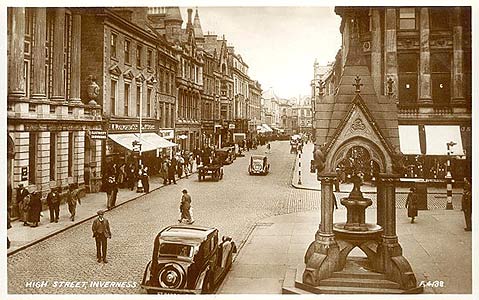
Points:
(214, 170)
(225, 155)
(188, 259)
(258, 165)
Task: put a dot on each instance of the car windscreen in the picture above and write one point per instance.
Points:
(173, 249)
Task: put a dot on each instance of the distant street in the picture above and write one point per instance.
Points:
(233, 204)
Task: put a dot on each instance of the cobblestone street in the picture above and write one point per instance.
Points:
(233, 204)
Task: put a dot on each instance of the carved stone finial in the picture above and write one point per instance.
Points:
(390, 83)
(358, 84)
(93, 90)
(321, 87)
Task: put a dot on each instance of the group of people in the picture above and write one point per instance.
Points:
(180, 163)
(30, 204)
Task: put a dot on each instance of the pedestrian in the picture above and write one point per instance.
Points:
(145, 180)
(25, 208)
(108, 188)
(467, 204)
(187, 169)
(35, 209)
(101, 232)
(185, 208)
(72, 199)
(164, 170)
(22, 192)
(411, 204)
(53, 201)
(172, 171)
(179, 165)
(268, 146)
(114, 192)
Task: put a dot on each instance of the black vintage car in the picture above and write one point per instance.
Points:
(225, 156)
(258, 165)
(188, 259)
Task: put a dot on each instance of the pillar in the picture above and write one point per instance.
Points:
(376, 46)
(380, 202)
(62, 158)
(16, 81)
(163, 113)
(43, 161)
(58, 61)
(38, 50)
(390, 44)
(79, 157)
(75, 59)
(458, 60)
(425, 88)
(322, 256)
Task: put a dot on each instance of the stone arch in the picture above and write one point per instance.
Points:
(377, 152)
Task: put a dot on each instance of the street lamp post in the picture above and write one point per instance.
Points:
(139, 185)
(449, 205)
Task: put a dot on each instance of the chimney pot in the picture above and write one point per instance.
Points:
(190, 11)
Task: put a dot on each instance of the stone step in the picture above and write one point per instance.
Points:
(364, 275)
(356, 290)
(359, 282)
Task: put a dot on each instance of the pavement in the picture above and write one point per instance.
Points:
(22, 237)
(436, 245)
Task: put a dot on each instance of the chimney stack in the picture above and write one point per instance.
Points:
(190, 12)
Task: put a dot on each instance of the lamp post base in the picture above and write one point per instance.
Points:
(449, 206)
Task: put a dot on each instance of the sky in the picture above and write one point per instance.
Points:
(279, 44)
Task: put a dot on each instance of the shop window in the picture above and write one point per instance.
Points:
(408, 74)
(407, 18)
(441, 78)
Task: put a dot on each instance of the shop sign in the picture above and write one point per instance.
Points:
(24, 173)
(231, 126)
(131, 127)
(167, 133)
(98, 135)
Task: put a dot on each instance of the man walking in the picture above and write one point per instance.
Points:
(467, 204)
(411, 204)
(72, 199)
(53, 201)
(185, 207)
(101, 231)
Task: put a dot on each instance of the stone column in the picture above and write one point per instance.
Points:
(38, 50)
(322, 256)
(22, 140)
(43, 161)
(425, 88)
(62, 158)
(16, 81)
(376, 50)
(58, 61)
(380, 201)
(390, 44)
(75, 59)
(79, 157)
(458, 52)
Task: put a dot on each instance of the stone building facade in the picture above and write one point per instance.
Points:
(421, 58)
(48, 118)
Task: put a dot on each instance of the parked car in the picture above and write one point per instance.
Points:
(258, 165)
(188, 259)
(213, 170)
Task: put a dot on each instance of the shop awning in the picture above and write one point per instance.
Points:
(267, 128)
(149, 141)
(155, 140)
(437, 138)
(409, 139)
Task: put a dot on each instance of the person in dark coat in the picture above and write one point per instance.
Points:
(35, 209)
(185, 207)
(114, 193)
(108, 188)
(172, 171)
(22, 192)
(145, 180)
(53, 201)
(101, 232)
(467, 204)
(411, 204)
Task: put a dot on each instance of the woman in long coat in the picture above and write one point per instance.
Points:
(411, 204)
(35, 209)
